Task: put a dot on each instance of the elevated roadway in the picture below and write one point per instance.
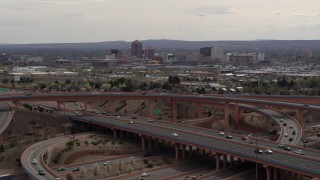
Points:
(287, 124)
(6, 114)
(37, 151)
(64, 97)
(174, 98)
(309, 163)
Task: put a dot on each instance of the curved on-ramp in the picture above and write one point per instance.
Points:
(38, 151)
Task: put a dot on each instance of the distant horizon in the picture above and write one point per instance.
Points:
(128, 41)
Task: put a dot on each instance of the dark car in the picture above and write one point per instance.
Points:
(244, 138)
(284, 124)
(290, 139)
(293, 132)
(281, 145)
(76, 169)
(41, 172)
(61, 169)
(248, 141)
(287, 148)
(258, 151)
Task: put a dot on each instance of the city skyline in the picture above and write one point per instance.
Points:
(54, 21)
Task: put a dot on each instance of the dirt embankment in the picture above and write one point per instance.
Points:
(26, 128)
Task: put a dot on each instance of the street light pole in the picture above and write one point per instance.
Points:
(256, 151)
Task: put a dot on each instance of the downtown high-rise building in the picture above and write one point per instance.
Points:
(149, 53)
(136, 49)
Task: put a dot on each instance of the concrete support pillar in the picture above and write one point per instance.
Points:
(59, 104)
(127, 134)
(121, 134)
(198, 151)
(203, 152)
(289, 175)
(275, 174)
(85, 105)
(1, 139)
(268, 169)
(299, 116)
(150, 143)
(150, 108)
(231, 160)
(237, 114)
(174, 110)
(143, 143)
(224, 161)
(114, 133)
(190, 151)
(294, 175)
(156, 144)
(199, 109)
(176, 146)
(218, 161)
(162, 116)
(282, 174)
(183, 151)
(226, 123)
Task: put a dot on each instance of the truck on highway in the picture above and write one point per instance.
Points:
(28, 93)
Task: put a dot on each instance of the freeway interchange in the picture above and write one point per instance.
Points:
(205, 139)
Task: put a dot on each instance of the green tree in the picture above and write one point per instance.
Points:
(68, 81)
(105, 174)
(5, 81)
(96, 169)
(1, 148)
(130, 169)
(69, 177)
(120, 163)
(83, 171)
(43, 86)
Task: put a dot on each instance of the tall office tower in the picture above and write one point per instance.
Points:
(306, 53)
(217, 53)
(205, 52)
(136, 49)
(148, 53)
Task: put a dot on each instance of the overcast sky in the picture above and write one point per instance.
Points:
(46, 21)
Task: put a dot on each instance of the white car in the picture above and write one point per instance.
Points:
(221, 133)
(34, 161)
(268, 151)
(174, 134)
(299, 152)
(107, 163)
(145, 174)
(290, 126)
(130, 122)
(285, 134)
